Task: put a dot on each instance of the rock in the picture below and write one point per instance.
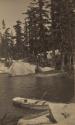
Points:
(3, 68)
(19, 68)
(34, 121)
(63, 113)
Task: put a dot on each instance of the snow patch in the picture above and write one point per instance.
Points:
(3, 68)
(19, 68)
(63, 113)
(45, 69)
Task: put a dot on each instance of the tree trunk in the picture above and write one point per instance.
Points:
(54, 61)
(73, 100)
(62, 63)
(74, 71)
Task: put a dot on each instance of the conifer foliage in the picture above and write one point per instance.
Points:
(38, 23)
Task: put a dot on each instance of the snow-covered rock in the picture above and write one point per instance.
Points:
(49, 54)
(58, 109)
(19, 68)
(45, 69)
(35, 121)
(3, 68)
(64, 114)
(57, 52)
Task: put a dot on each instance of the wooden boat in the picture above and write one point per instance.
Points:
(30, 103)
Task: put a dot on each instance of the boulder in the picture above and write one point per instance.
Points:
(19, 68)
(64, 114)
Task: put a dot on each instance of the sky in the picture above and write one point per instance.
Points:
(11, 11)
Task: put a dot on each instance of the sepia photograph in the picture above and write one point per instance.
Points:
(37, 62)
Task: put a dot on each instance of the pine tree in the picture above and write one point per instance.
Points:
(38, 29)
(61, 14)
(3, 24)
(26, 39)
(19, 40)
(6, 41)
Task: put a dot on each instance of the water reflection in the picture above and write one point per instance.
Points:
(59, 89)
(53, 89)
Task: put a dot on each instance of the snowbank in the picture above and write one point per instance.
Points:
(64, 114)
(57, 110)
(3, 68)
(68, 111)
(35, 121)
(19, 68)
(45, 69)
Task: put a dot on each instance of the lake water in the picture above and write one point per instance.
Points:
(52, 89)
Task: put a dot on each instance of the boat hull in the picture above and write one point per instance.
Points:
(34, 107)
(31, 104)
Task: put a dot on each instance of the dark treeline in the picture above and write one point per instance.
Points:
(49, 25)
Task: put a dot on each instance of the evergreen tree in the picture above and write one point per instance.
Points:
(38, 26)
(6, 41)
(3, 24)
(62, 25)
(0, 44)
(26, 39)
(19, 40)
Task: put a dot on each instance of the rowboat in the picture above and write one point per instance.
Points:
(30, 103)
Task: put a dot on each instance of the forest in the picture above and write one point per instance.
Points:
(48, 27)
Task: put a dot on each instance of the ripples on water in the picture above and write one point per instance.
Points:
(52, 89)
